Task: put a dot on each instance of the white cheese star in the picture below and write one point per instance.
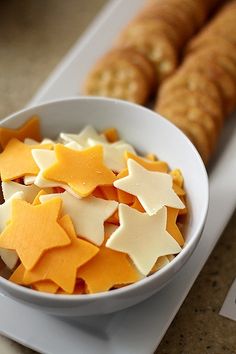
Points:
(44, 159)
(83, 136)
(10, 188)
(144, 238)
(28, 179)
(9, 257)
(114, 153)
(88, 214)
(153, 189)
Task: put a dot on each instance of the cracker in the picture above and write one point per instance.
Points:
(194, 99)
(193, 81)
(147, 23)
(118, 78)
(158, 49)
(195, 132)
(218, 75)
(193, 114)
(174, 16)
(137, 59)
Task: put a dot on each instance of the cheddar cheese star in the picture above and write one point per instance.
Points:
(82, 170)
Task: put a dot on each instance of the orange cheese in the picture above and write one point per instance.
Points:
(82, 170)
(30, 129)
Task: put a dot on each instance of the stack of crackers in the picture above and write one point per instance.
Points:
(202, 92)
(147, 50)
(196, 94)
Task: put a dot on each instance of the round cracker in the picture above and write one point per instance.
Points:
(218, 75)
(136, 58)
(193, 114)
(194, 131)
(195, 99)
(192, 81)
(118, 78)
(158, 49)
(148, 24)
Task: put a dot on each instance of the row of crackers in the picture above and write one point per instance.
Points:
(148, 49)
(199, 96)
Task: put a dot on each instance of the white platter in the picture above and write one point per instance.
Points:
(139, 329)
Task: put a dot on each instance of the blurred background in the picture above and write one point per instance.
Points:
(34, 36)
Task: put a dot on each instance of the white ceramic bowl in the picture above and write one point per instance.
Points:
(148, 132)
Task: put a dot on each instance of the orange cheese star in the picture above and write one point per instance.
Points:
(82, 170)
(124, 197)
(159, 166)
(108, 268)
(30, 129)
(172, 227)
(16, 160)
(33, 230)
(60, 265)
(46, 286)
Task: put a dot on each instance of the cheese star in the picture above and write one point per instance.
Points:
(17, 161)
(83, 136)
(87, 214)
(144, 238)
(82, 170)
(172, 227)
(30, 129)
(60, 265)
(29, 192)
(159, 166)
(108, 268)
(153, 189)
(9, 257)
(33, 230)
(113, 153)
(44, 159)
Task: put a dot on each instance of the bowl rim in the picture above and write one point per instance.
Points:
(183, 255)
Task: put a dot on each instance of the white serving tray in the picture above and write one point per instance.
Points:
(137, 330)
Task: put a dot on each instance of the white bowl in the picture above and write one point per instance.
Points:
(148, 132)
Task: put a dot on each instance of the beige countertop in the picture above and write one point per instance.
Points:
(34, 36)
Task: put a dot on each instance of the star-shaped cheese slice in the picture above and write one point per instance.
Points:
(82, 170)
(44, 159)
(143, 237)
(153, 189)
(29, 192)
(124, 197)
(16, 160)
(46, 286)
(160, 263)
(60, 265)
(172, 227)
(29, 179)
(159, 166)
(83, 136)
(30, 129)
(114, 153)
(88, 214)
(108, 268)
(9, 257)
(33, 230)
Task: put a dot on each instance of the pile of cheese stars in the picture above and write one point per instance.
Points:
(85, 213)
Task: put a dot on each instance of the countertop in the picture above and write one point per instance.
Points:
(34, 36)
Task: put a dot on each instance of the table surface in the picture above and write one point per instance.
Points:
(33, 38)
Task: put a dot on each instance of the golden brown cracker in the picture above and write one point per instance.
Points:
(193, 81)
(194, 99)
(218, 75)
(158, 49)
(136, 58)
(118, 78)
(193, 114)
